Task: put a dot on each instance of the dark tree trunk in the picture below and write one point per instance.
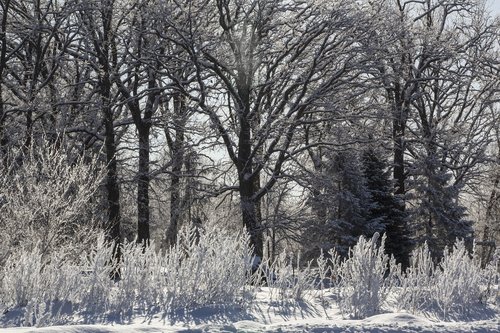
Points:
(175, 206)
(3, 139)
(177, 153)
(249, 182)
(258, 203)
(29, 128)
(320, 208)
(250, 213)
(112, 187)
(249, 204)
(398, 232)
(400, 108)
(103, 49)
(143, 185)
(3, 64)
(142, 117)
(113, 190)
(250, 216)
(399, 162)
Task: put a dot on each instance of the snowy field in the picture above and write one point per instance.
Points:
(264, 316)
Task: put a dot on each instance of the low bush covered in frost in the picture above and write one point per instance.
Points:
(204, 267)
(45, 202)
(213, 266)
(287, 281)
(365, 278)
(451, 289)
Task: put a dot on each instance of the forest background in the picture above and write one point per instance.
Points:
(310, 123)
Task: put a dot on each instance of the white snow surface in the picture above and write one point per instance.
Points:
(265, 316)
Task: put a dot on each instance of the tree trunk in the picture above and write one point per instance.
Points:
(249, 183)
(113, 190)
(3, 137)
(251, 216)
(177, 152)
(249, 204)
(112, 187)
(175, 206)
(29, 128)
(399, 167)
(143, 185)
(102, 50)
(319, 206)
(252, 223)
(3, 65)
(175, 199)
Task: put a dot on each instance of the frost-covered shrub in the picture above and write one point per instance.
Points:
(458, 282)
(60, 277)
(365, 278)
(206, 266)
(139, 268)
(413, 294)
(335, 263)
(96, 268)
(324, 271)
(451, 289)
(327, 270)
(43, 288)
(287, 281)
(45, 198)
(492, 273)
(21, 278)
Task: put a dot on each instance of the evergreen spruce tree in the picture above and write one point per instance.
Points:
(385, 207)
(346, 205)
(438, 214)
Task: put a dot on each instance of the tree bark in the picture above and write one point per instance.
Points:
(177, 153)
(248, 187)
(112, 187)
(143, 234)
(3, 65)
(250, 217)
(399, 161)
(103, 49)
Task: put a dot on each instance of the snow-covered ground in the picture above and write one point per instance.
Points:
(265, 316)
